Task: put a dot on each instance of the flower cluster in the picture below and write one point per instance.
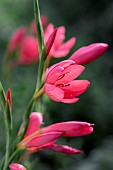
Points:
(59, 82)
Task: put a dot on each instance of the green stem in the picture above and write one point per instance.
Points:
(7, 141)
(41, 68)
(28, 112)
(26, 119)
(6, 71)
(7, 151)
(39, 27)
(6, 67)
(12, 156)
(41, 44)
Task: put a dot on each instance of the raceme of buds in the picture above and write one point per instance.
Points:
(89, 53)
(59, 48)
(60, 85)
(42, 138)
(16, 166)
(28, 52)
(16, 39)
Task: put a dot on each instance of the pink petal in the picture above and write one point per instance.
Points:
(63, 149)
(71, 128)
(89, 53)
(70, 101)
(15, 166)
(43, 139)
(16, 39)
(59, 37)
(50, 41)
(48, 32)
(68, 44)
(35, 121)
(70, 73)
(28, 52)
(54, 92)
(65, 63)
(35, 149)
(55, 70)
(75, 88)
(53, 75)
(63, 49)
(58, 53)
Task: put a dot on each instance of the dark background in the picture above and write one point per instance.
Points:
(89, 21)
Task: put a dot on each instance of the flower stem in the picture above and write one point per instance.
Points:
(39, 27)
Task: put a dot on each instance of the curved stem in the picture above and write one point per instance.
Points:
(12, 156)
(47, 63)
(39, 93)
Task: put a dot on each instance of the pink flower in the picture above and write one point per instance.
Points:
(59, 49)
(15, 166)
(16, 39)
(89, 53)
(44, 138)
(60, 85)
(28, 52)
(44, 21)
(9, 97)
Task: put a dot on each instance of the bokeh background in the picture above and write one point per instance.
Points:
(89, 21)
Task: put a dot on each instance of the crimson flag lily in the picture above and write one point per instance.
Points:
(89, 53)
(16, 166)
(37, 138)
(28, 52)
(60, 85)
(59, 49)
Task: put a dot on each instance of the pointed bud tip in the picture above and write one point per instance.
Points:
(9, 97)
(104, 45)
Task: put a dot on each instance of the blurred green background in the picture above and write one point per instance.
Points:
(89, 21)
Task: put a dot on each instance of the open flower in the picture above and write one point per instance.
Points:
(59, 48)
(60, 85)
(37, 138)
(89, 53)
(28, 52)
(15, 166)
